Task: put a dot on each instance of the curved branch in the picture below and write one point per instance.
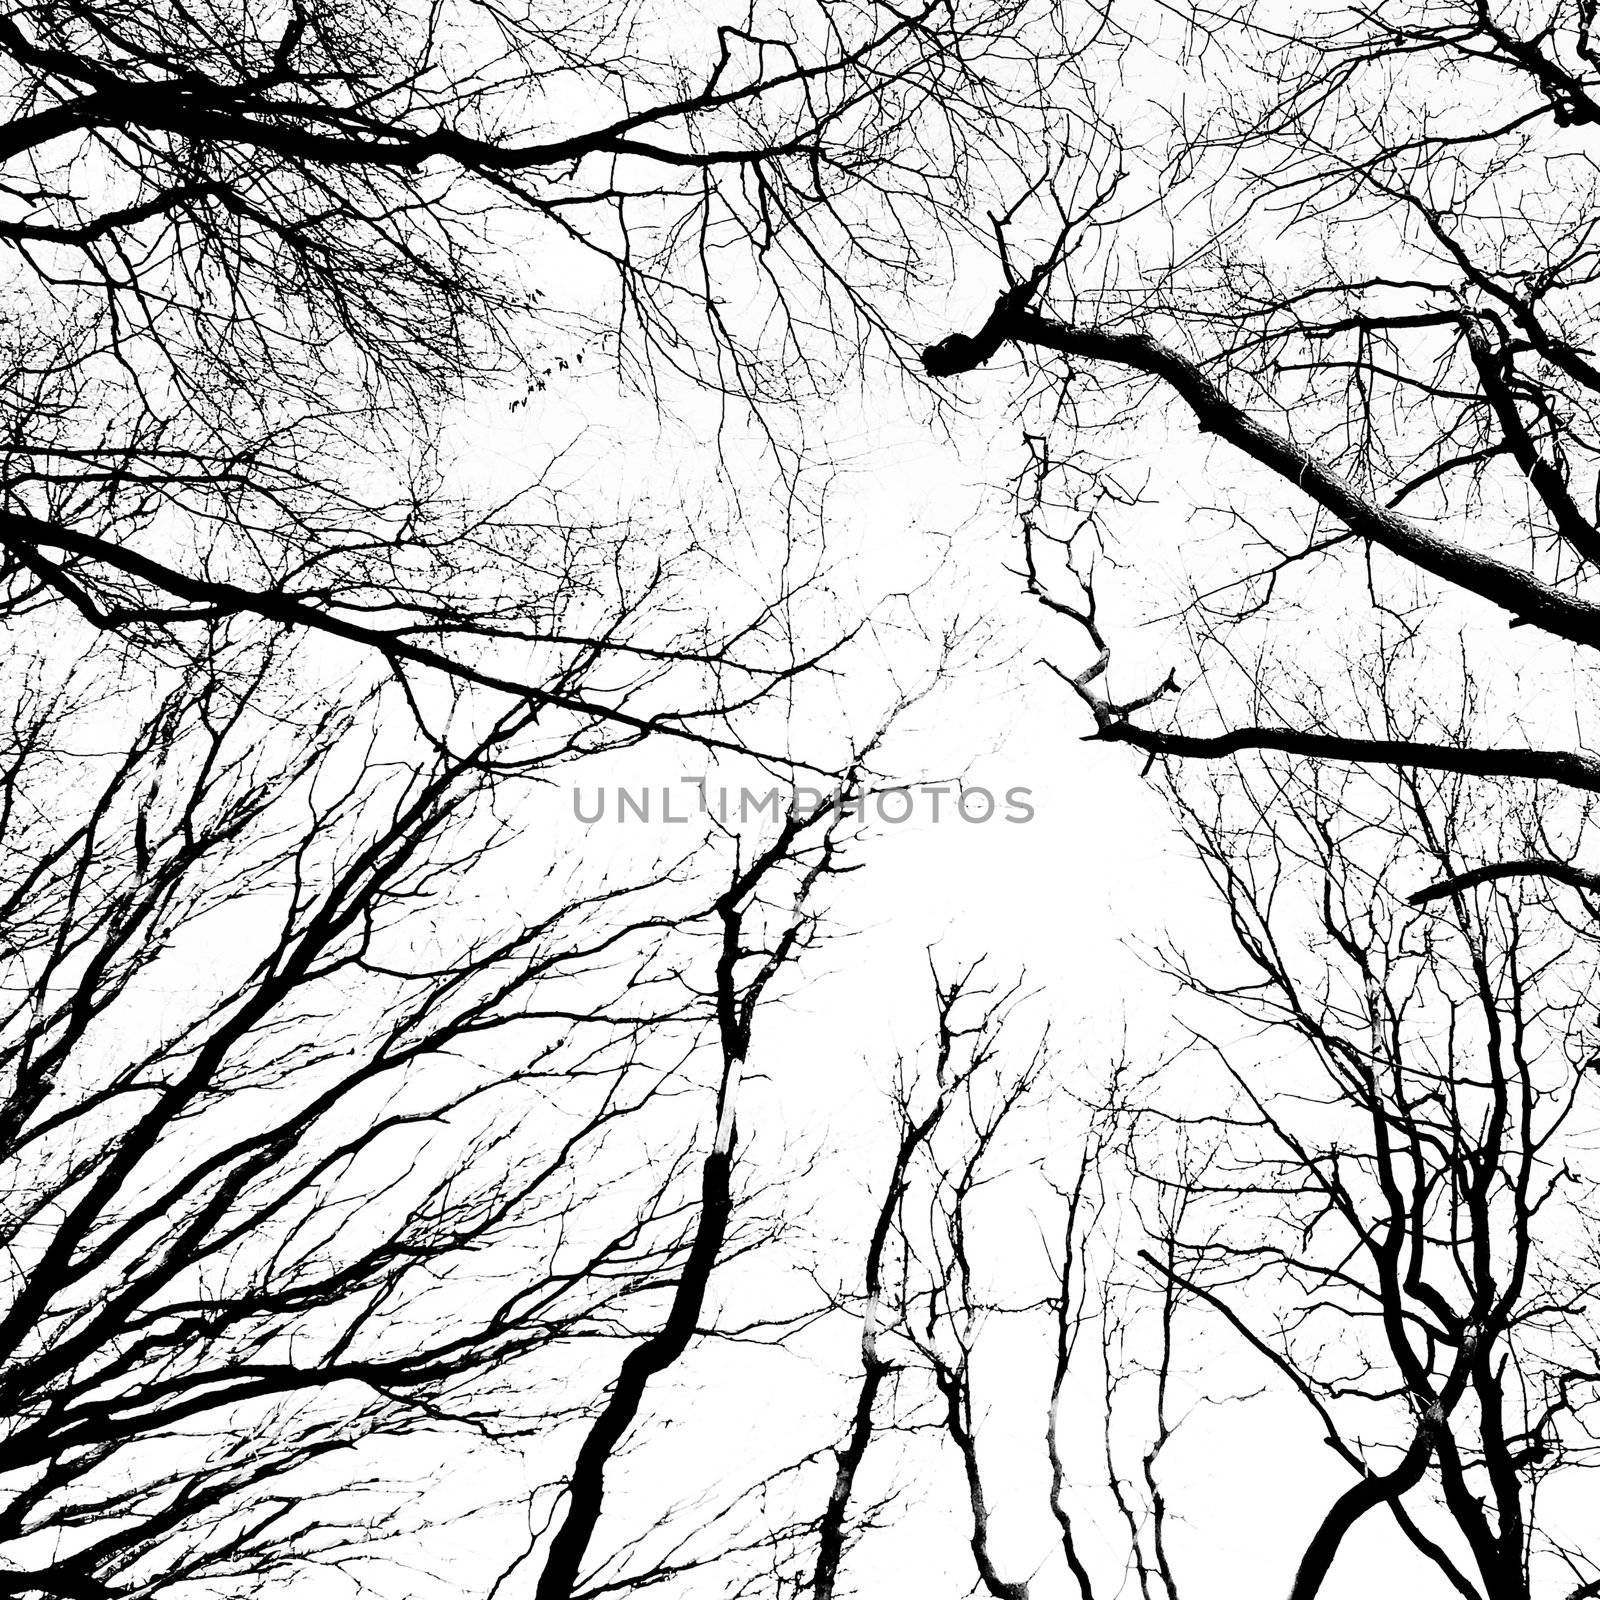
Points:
(1350, 1507)
(1559, 871)
(1511, 588)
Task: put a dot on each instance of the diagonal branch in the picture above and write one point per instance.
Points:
(26, 537)
(1526, 597)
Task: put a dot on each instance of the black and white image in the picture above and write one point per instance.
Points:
(798, 799)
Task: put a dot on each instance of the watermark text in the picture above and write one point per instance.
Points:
(692, 798)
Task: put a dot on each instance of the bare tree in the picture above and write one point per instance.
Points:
(743, 973)
(1371, 297)
(960, 1055)
(1370, 289)
(260, 257)
(299, 1159)
(1400, 1221)
(971, 1177)
(1375, 1196)
(319, 1132)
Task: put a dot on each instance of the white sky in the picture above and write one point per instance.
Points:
(1066, 902)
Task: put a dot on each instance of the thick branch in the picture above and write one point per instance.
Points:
(1556, 766)
(1349, 1508)
(1559, 871)
(1511, 588)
